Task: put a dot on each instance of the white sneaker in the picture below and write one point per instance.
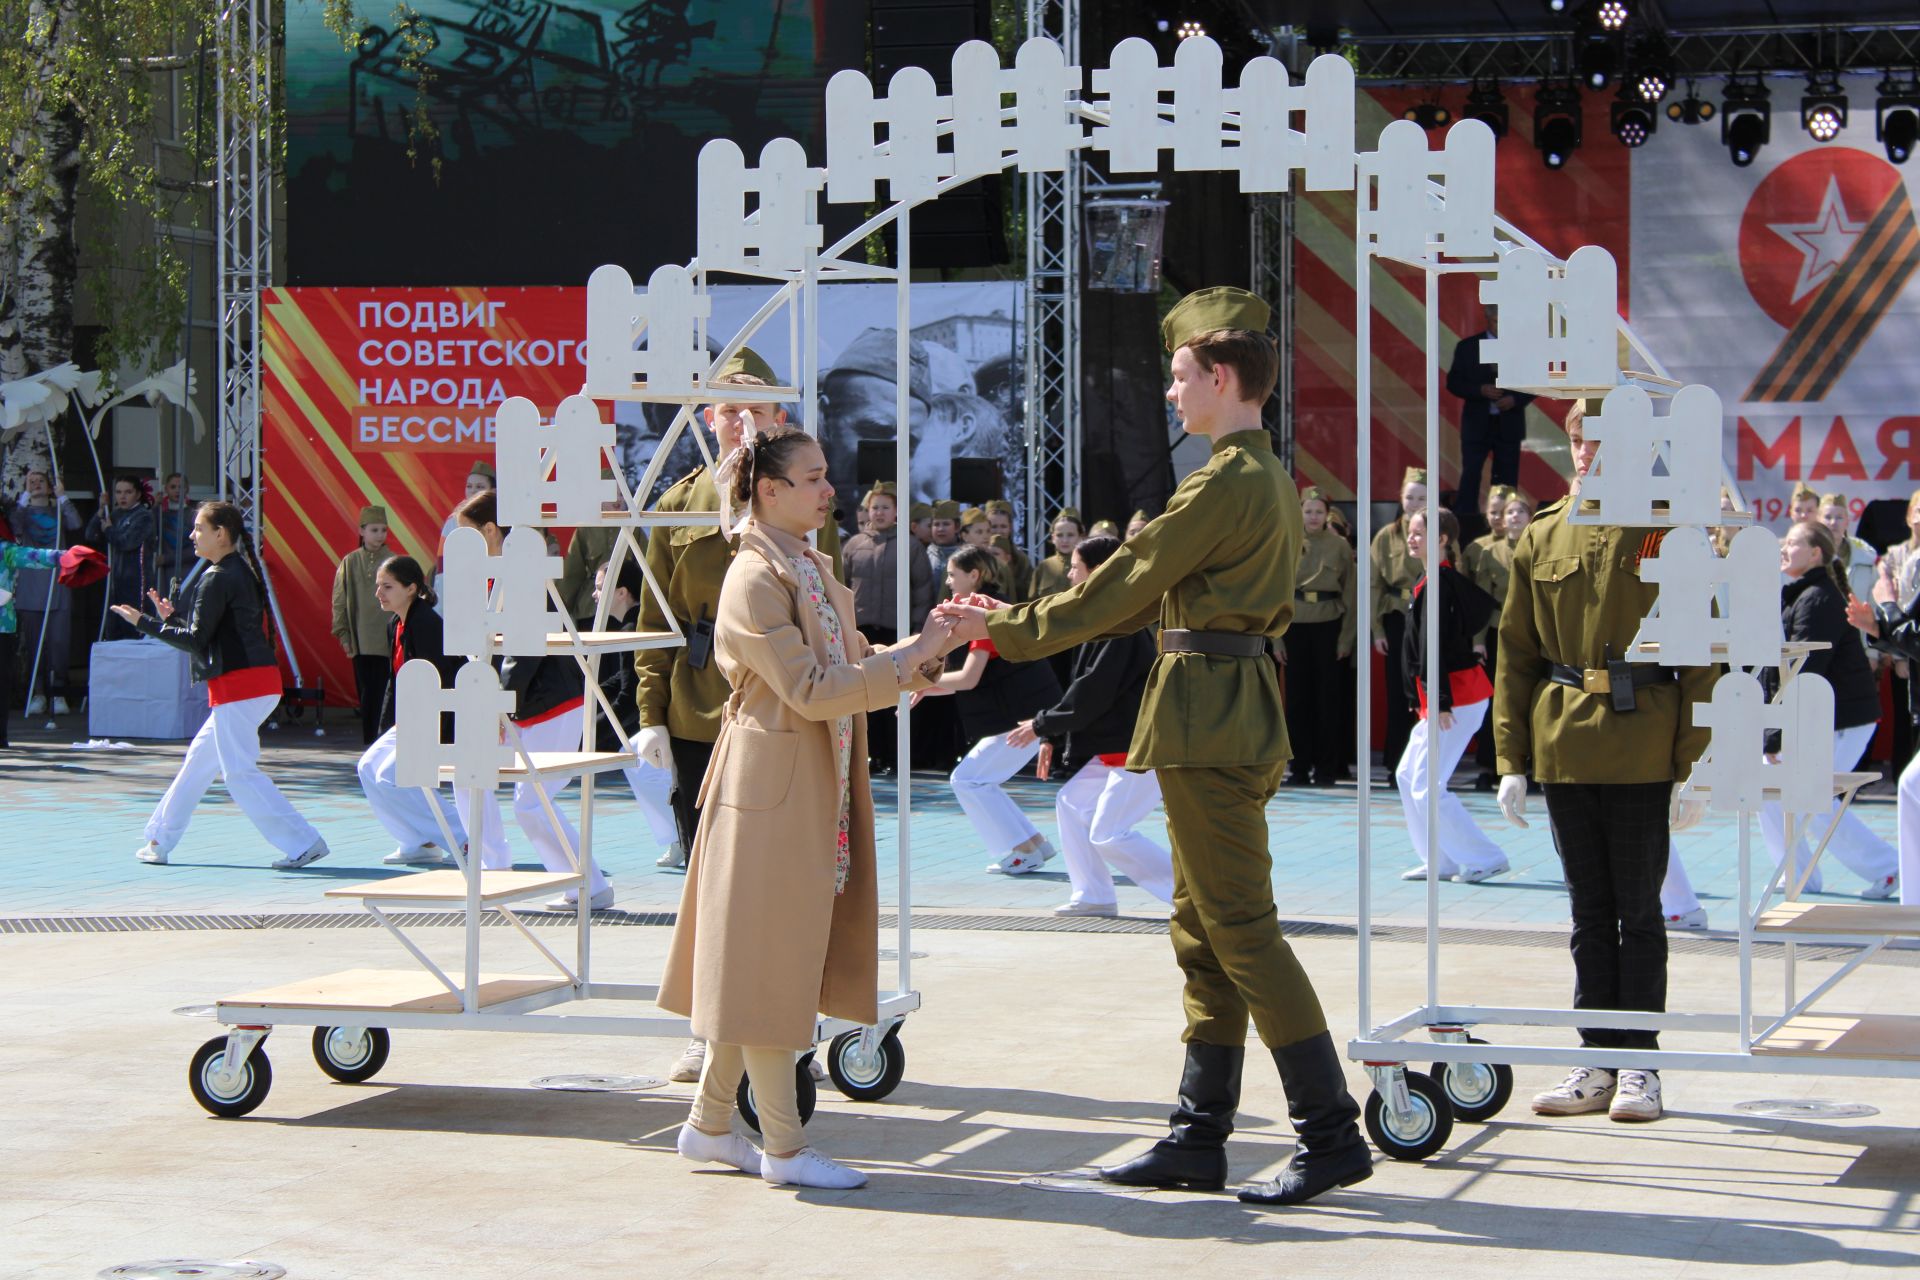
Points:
(692, 1062)
(1414, 873)
(1638, 1098)
(153, 853)
(1079, 908)
(1021, 861)
(808, 1168)
(1883, 888)
(414, 855)
(1474, 875)
(314, 852)
(814, 1069)
(724, 1148)
(1694, 919)
(675, 856)
(60, 707)
(37, 705)
(601, 901)
(1585, 1089)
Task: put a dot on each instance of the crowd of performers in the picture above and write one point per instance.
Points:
(1141, 668)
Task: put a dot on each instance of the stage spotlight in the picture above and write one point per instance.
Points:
(1690, 109)
(1823, 108)
(1746, 119)
(1896, 117)
(1633, 117)
(1556, 6)
(1613, 14)
(1489, 106)
(1556, 124)
(1428, 115)
(1597, 63)
(1191, 30)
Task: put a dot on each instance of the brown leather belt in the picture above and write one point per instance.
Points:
(1217, 644)
(1315, 597)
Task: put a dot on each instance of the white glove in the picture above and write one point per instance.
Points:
(1513, 798)
(650, 744)
(1688, 808)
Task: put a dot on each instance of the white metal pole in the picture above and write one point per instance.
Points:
(902, 455)
(1431, 660)
(1363, 622)
(1746, 931)
(476, 844)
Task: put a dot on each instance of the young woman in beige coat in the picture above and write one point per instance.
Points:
(779, 918)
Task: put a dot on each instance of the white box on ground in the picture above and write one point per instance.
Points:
(143, 689)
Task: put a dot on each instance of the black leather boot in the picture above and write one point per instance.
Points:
(1329, 1152)
(1194, 1152)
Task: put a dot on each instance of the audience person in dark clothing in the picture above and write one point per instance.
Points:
(125, 530)
(1492, 421)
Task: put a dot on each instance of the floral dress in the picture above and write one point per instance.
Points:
(816, 590)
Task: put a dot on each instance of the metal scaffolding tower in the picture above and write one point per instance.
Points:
(1272, 278)
(243, 249)
(1053, 310)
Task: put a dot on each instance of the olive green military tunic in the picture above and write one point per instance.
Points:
(1050, 577)
(1576, 596)
(1222, 558)
(1394, 573)
(1323, 585)
(590, 548)
(689, 562)
(358, 624)
(1488, 563)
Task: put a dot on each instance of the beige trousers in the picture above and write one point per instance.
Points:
(771, 1071)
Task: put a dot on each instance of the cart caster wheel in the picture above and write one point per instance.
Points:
(237, 1098)
(1476, 1090)
(804, 1094)
(351, 1054)
(1419, 1134)
(863, 1080)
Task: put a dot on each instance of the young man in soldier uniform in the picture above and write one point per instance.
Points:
(1611, 744)
(1217, 570)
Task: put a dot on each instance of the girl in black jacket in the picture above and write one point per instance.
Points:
(1813, 606)
(225, 632)
(1091, 728)
(549, 694)
(992, 696)
(413, 631)
(1449, 716)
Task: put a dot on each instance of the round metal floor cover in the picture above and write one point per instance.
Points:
(195, 1011)
(169, 1268)
(1806, 1109)
(1080, 1182)
(598, 1083)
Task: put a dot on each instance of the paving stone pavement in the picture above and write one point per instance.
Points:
(75, 817)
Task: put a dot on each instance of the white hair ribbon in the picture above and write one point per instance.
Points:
(723, 475)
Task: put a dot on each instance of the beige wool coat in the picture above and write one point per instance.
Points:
(763, 942)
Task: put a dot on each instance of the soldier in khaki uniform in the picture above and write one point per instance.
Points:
(680, 692)
(359, 625)
(1611, 743)
(1000, 525)
(1217, 570)
(1394, 573)
(1050, 575)
(1487, 562)
(587, 554)
(1318, 645)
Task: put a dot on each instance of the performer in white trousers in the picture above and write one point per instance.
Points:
(225, 632)
(1466, 853)
(414, 630)
(993, 696)
(653, 790)
(548, 694)
(1894, 629)
(1858, 849)
(652, 785)
(1678, 902)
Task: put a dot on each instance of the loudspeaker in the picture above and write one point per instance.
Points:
(878, 460)
(977, 480)
(967, 226)
(1883, 522)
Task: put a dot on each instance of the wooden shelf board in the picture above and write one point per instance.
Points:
(559, 642)
(451, 886)
(1868, 919)
(1885, 1036)
(1790, 649)
(555, 762)
(1842, 783)
(389, 990)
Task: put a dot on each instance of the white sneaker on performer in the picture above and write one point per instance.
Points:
(692, 1062)
(601, 901)
(153, 853)
(718, 1148)
(1638, 1098)
(1585, 1089)
(1021, 861)
(675, 856)
(314, 852)
(414, 855)
(1694, 919)
(60, 707)
(1885, 887)
(1474, 875)
(808, 1168)
(1079, 908)
(1414, 873)
(37, 705)
(814, 1069)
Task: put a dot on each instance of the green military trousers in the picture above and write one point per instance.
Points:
(1225, 928)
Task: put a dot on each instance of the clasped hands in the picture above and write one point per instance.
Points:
(161, 606)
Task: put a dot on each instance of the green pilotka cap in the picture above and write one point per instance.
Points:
(745, 361)
(920, 511)
(372, 515)
(1207, 311)
(946, 509)
(1414, 475)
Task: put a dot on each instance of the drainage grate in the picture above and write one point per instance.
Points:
(1901, 953)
